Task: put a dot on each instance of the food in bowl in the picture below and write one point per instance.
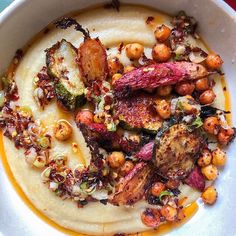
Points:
(109, 122)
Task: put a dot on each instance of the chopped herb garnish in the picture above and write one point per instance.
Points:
(164, 193)
(197, 123)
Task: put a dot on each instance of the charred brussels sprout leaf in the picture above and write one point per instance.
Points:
(62, 66)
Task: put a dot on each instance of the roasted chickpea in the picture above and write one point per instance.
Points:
(225, 135)
(164, 91)
(207, 97)
(116, 159)
(214, 61)
(84, 117)
(185, 88)
(151, 217)
(210, 172)
(163, 109)
(128, 68)
(63, 130)
(157, 188)
(134, 51)
(127, 167)
(209, 195)
(161, 53)
(202, 84)
(169, 212)
(115, 66)
(218, 157)
(115, 77)
(162, 33)
(211, 125)
(205, 158)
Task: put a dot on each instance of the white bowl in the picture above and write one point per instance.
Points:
(217, 21)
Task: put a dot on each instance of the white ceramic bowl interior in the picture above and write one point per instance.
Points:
(217, 21)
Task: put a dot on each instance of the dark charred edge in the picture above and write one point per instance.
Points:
(207, 111)
(50, 51)
(120, 47)
(19, 54)
(67, 22)
(166, 126)
(92, 145)
(114, 4)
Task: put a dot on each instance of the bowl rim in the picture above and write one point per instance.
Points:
(17, 4)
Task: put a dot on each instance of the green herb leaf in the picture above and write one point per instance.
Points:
(178, 57)
(197, 123)
(101, 104)
(164, 193)
(83, 185)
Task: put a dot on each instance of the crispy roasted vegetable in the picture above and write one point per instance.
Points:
(110, 140)
(61, 60)
(93, 60)
(146, 152)
(155, 75)
(138, 112)
(196, 179)
(176, 152)
(132, 187)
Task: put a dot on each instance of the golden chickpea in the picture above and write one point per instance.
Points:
(161, 53)
(205, 158)
(218, 157)
(214, 61)
(157, 188)
(211, 125)
(164, 91)
(225, 135)
(170, 213)
(115, 77)
(209, 195)
(210, 172)
(151, 217)
(134, 51)
(185, 88)
(63, 130)
(207, 97)
(84, 116)
(163, 109)
(115, 66)
(128, 68)
(162, 33)
(116, 159)
(202, 84)
(127, 167)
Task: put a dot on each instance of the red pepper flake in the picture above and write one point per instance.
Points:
(120, 47)
(150, 20)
